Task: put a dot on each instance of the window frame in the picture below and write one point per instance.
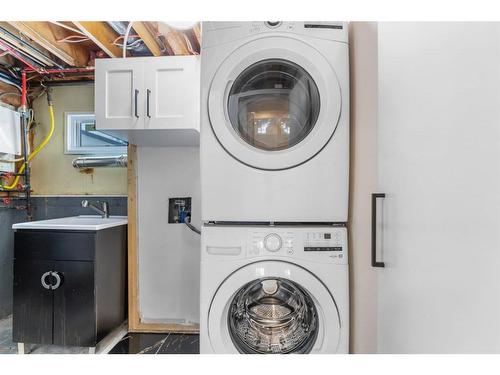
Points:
(72, 138)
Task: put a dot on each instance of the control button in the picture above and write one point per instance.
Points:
(289, 251)
(273, 24)
(272, 242)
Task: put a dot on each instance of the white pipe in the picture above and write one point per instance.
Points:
(125, 39)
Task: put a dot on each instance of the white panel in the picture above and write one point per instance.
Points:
(169, 254)
(118, 90)
(10, 131)
(174, 84)
(439, 166)
(116, 83)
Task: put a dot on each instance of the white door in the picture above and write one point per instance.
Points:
(172, 92)
(274, 103)
(438, 160)
(119, 94)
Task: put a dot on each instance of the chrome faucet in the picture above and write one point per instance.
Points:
(104, 211)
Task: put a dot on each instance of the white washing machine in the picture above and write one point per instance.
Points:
(274, 290)
(274, 122)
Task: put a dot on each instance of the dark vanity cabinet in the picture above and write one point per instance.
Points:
(69, 286)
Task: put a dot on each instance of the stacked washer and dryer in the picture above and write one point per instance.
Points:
(274, 175)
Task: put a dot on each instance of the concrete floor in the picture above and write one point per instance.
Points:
(9, 347)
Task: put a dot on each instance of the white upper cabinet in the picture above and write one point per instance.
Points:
(150, 101)
(172, 92)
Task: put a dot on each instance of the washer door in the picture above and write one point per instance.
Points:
(274, 103)
(273, 307)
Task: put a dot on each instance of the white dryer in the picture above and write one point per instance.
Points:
(274, 290)
(274, 122)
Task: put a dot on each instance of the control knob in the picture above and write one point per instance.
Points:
(272, 242)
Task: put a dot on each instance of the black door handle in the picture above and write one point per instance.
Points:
(136, 94)
(375, 263)
(148, 94)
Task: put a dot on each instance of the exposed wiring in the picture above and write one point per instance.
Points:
(9, 82)
(125, 39)
(73, 39)
(131, 45)
(39, 147)
(187, 221)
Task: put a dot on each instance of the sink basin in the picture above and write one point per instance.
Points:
(83, 222)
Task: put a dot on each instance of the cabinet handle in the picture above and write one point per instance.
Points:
(44, 283)
(375, 263)
(136, 94)
(58, 280)
(148, 94)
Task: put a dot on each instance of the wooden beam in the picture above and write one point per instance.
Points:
(147, 36)
(197, 33)
(9, 34)
(174, 38)
(47, 36)
(133, 308)
(102, 35)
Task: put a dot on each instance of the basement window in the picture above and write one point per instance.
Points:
(82, 138)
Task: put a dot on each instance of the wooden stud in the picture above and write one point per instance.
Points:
(147, 36)
(47, 35)
(102, 35)
(133, 309)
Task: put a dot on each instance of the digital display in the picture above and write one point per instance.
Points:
(323, 248)
(327, 236)
(322, 26)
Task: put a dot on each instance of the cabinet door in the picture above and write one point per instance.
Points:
(74, 307)
(172, 86)
(119, 95)
(32, 308)
(439, 165)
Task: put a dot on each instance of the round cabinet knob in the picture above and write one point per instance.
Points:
(272, 242)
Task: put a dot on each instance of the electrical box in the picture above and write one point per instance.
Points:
(178, 210)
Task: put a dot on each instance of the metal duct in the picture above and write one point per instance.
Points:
(100, 161)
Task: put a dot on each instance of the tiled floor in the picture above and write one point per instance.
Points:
(157, 343)
(132, 343)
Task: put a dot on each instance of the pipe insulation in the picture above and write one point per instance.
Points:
(100, 161)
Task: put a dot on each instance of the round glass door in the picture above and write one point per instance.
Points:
(272, 316)
(273, 104)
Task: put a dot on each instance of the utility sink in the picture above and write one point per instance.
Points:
(82, 222)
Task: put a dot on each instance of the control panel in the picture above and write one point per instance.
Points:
(328, 243)
(215, 33)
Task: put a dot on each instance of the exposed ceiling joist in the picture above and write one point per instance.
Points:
(47, 36)
(175, 39)
(101, 34)
(8, 34)
(147, 36)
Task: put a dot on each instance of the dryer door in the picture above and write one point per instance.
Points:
(273, 307)
(274, 103)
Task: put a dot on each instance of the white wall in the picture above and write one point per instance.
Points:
(363, 57)
(168, 254)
